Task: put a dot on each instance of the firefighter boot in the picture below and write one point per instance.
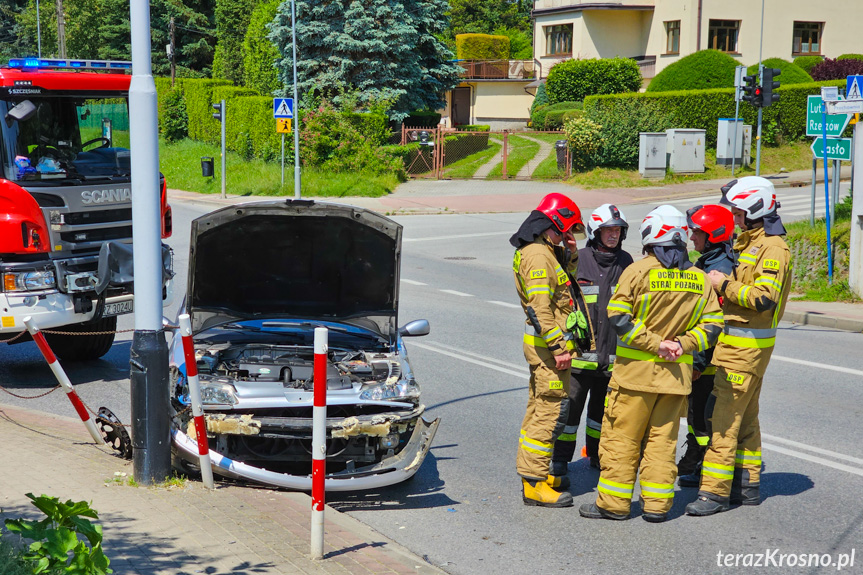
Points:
(691, 460)
(557, 476)
(707, 504)
(743, 492)
(540, 493)
(594, 511)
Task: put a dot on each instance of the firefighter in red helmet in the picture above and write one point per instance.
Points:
(542, 269)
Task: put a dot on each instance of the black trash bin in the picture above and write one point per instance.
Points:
(560, 147)
(207, 167)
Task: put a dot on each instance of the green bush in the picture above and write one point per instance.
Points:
(373, 127)
(481, 47)
(11, 562)
(623, 116)
(700, 70)
(199, 99)
(541, 98)
(850, 57)
(175, 120)
(585, 142)
(573, 80)
(474, 128)
(238, 125)
(554, 119)
(259, 53)
(422, 119)
(791, 73)
(808, 62)
(538, 119)
(520, 43)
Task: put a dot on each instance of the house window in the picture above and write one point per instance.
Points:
(807, 38)
(722, 35)
(672, 32)
(558, 40)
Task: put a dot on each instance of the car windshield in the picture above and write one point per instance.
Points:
(66, 138)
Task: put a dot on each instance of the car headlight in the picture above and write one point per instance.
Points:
(399, 389)
(214, 393)
(28, 281)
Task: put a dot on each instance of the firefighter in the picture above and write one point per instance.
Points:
(712, 228)
(542, 269)
(754, 297)
(662, 312)
(600, 264)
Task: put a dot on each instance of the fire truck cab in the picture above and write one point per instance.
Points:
(66, 203)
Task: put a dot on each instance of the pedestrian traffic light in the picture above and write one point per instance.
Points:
(751, 90)
(768, 85)
(218, 114)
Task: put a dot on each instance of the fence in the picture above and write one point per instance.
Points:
(440, 153)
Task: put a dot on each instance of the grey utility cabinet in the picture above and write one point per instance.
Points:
(651, 154)
(686, 151)
(724, 137)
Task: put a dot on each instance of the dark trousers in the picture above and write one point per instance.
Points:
(586, 387)
(696, 416)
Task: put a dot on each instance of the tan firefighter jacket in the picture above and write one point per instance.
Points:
(653, 304)
(754, 299)
(543, 288)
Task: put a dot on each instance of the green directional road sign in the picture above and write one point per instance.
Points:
(836, 124)
(837, 148)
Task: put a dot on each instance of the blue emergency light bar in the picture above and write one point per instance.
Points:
(54, 64)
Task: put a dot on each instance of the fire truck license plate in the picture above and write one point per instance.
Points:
(118, 308)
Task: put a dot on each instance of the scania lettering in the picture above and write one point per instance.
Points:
(66, 196)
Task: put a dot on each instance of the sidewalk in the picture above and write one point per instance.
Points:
(835, 315)
(181, 530)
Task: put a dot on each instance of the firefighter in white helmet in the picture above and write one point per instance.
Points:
(754, 296)
(600, 264)
(662, 311)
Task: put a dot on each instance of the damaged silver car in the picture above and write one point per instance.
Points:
(262, 277)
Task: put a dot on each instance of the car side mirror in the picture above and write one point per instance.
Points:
(415, 328)
(21, 112)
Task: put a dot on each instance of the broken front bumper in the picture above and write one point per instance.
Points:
(389, 471)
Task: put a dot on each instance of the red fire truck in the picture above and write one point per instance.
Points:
(66, 197)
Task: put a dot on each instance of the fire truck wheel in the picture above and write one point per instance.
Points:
(83, 347)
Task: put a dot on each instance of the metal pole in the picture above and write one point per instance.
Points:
(283, 159)
(760, 81)
(855, 268)
(61, 29)
(151, 445)
(38, 29)
(758, 146)
(296, 105)
(224, 154)
(734, 145)
(319, 440)
(761, 39)
(827, 193)
(812, 204)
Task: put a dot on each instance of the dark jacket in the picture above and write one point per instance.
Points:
(597, 276)
(719, 259)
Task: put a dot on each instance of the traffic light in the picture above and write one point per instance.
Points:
(218, 114)
(751, 90)
(768, 85)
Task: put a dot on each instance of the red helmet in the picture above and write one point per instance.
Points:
(562, 212)
(714, 220)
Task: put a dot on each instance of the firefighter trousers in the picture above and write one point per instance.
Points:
(735, 444)
(545, 417)
(594, 383)
(696, 416)
(638, 426)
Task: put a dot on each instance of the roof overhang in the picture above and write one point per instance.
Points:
(586, 6)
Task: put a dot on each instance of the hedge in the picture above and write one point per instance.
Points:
(199, 98)
(791, 73)
(808, 62)
(573, 80)
(700, 70)
(260, 55)
(540, 114)
(850, 57)
(422, 119)
(554, 119)
(623, 116)
(481, 47)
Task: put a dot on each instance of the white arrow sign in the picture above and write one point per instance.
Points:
(845, 107)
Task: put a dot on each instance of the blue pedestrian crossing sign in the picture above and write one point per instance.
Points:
(283, 108)
(854, 88)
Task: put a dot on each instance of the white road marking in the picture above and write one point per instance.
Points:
(457, 237)
(813, 449)
(516, 366)
(413, 283)
(504, 304)
(462, 357)
(818, 365)
(813, 459)
(458, 293)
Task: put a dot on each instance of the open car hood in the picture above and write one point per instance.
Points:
(295, 259)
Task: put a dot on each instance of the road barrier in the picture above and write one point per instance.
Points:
(195, 398)
(319, 440)
(61, 376)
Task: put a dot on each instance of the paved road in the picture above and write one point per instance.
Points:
(463, 509)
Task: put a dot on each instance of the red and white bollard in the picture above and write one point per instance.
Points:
(319, 441)
(195, 398)
(61, 376)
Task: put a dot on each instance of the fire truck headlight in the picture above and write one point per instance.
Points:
(28, 281)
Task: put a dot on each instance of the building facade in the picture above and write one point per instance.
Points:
(657, 33)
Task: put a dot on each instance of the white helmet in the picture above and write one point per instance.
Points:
(664, 226)
(605, 216)
(752, 194)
